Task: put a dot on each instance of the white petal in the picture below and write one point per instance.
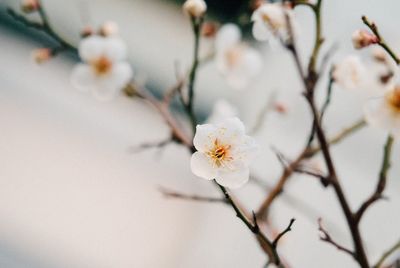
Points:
(261, 31)
(229, 35)
(378, 114)
(108, 86)
(115, 48)
(230, 131)
(83, 77)
(252, 62)
(202, 167)
(221, 111)
(204, 138)
(91, 48)
(247, 151)
(246, 70)
(233, 179)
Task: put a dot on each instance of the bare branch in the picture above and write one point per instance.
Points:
(327, 238)
(183, 196)
(381, 42)
(386, 254)
(280, 235)
(380, 187)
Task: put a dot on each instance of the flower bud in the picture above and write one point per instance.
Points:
(209, 29)
(29, 6)
(195, 8)
(109, 28)
(41, 55)
(86, 31)
(362, 38)
(280, 108)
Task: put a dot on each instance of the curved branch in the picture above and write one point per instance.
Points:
(380, 187)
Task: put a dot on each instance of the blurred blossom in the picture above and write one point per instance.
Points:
(384, 112)
(271, 20)
(363, 38)
(209, 29)
(105, 70)
(41, 55)
(350, 73)
(87, 31)
(109, 28)
(222, 110)
(237, 62)
(29, 6)
(195, 8)
(224, 153)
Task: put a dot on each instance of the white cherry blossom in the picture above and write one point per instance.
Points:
(236, 61)
(271, 20)
(384, 112)
(224, 153)
(350, 73)
(104, 70)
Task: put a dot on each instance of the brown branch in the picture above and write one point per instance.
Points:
(380, 187)
(381, 42)
(262, 212)
(310, 82)
(387, 253)
(183, 196)
(281, 234)
(327, 238)
(254, 228)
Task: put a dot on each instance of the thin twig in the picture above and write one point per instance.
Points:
(191, 197)
(327, 238)
(281, 234)
(381, 42)
(386, 254)
(380, 187)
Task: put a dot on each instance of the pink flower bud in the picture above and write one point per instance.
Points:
(280, 107)
(29, 6)
(41, 55)
(363, 38)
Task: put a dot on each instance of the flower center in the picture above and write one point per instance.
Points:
(274, 24)
(102, 65)
(393, 98)
(219, 154)
(233, 55)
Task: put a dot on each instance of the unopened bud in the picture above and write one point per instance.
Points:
(195, 8)
(86, 31)
(41, 55)
(109, 28)
(255, 4)
(363, 38)
(29, 6)
(280, 107)
(209, 29)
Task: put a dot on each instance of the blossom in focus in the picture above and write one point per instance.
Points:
(195, 8)
(384, 112)
(271, 20)
(237, 62)
(104, 70)
(350, 73)
(224, 153)
(363, 38)
(222, 110)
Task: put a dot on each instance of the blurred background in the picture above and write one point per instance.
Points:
(72, 194)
